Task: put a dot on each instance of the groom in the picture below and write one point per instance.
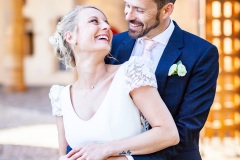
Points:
(188, 95)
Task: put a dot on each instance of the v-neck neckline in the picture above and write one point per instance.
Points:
(101, 104)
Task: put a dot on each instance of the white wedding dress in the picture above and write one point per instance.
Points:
(117, 117)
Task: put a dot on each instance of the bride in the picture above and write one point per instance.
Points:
(108, 111)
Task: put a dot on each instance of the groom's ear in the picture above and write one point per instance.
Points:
(167, 10)
(69, 37)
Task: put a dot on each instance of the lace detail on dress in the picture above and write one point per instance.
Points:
(145, 124)
(139, 72)
(55, 101)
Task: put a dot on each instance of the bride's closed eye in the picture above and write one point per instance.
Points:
(94, 21)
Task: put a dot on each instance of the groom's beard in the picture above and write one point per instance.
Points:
(133, 34)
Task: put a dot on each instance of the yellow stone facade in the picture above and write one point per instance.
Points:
(40, 66)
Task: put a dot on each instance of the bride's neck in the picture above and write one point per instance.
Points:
(90, 75)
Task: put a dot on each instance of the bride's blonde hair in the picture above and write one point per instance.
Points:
(61, 47)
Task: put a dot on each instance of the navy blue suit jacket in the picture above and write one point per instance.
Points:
(188, 98)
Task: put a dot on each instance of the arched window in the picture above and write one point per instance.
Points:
(28, 38)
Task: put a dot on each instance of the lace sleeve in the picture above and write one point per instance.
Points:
(55, 100)
(139, 72)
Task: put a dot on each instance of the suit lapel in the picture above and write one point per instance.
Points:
(169, 57)
(125, 50)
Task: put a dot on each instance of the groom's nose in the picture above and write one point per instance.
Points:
(129, 14)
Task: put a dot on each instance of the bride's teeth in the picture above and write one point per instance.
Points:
(104, 37)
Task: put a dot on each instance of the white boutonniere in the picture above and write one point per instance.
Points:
(178, 69)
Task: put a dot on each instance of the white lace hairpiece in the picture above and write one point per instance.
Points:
(54, 40)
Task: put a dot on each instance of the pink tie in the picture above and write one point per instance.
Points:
(148, 45)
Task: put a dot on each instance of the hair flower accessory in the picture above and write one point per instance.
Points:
(178, 69)
(54, 40)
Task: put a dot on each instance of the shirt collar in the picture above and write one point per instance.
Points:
(163, 37)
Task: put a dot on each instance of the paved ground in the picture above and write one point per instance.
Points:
(28, 131)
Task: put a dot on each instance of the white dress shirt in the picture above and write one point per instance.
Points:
(156, 52)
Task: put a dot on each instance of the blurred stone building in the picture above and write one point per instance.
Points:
(27, 59)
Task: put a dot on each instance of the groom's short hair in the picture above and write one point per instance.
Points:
(161, 3)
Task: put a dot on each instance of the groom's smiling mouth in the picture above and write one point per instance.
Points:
(133, 25)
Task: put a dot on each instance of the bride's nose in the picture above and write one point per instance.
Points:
(105, 26)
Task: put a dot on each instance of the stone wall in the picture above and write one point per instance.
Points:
(41, 66)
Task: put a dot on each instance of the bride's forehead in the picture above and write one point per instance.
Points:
(91, 12)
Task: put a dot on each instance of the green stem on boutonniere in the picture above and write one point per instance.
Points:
(179, 62)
